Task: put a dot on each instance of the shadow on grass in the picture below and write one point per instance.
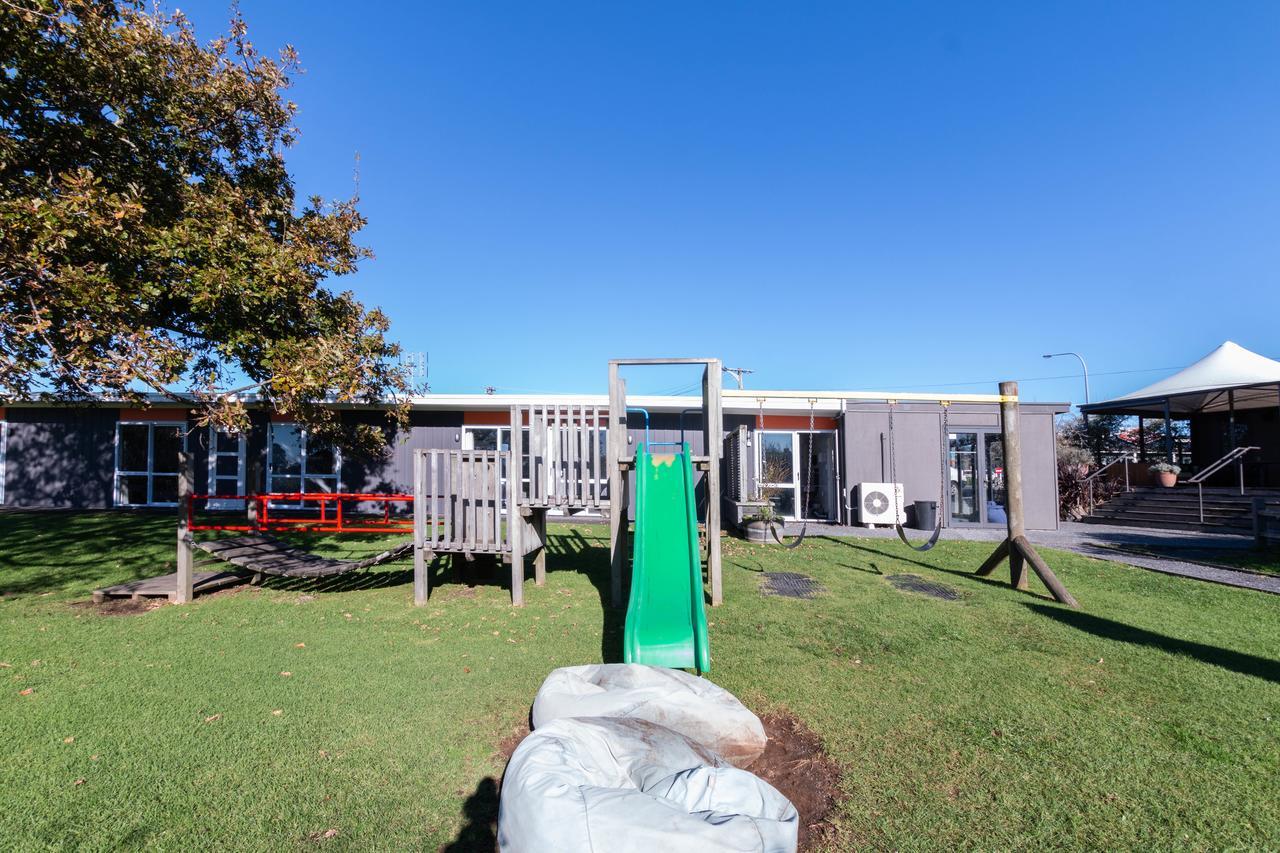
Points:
(480, 833)
(48, 550)
(1245, 664)
(960, 573)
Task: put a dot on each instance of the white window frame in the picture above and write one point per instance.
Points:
(305, 475)
(150, 473)
(4, 446)
(214, 454)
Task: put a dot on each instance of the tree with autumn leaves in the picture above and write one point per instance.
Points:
(151, 239)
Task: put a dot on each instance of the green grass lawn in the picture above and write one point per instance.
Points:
(266, 717)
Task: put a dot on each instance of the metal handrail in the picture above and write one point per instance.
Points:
(1094, 475)
(1237, 455)
(1220, 464)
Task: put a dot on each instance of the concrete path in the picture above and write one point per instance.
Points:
(1106, 542)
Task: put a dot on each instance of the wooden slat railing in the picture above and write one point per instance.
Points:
(459, 497)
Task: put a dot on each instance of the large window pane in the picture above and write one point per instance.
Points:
(320, 484)
(784, 501)
(320, 458)
(286, 449)
(164, 489)
(484, 439)
(167, 441)
(133, 489)
(227, 466)
(228, 443)
(776, 452)
(133, 448)
(288, 485)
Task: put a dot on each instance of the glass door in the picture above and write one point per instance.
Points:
(977, 485)
(963, 499)
(993, 478)
(776, 461)
(817, 476)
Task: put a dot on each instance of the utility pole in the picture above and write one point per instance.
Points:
(738, 373)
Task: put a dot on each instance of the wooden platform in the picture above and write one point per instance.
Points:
(166, 586)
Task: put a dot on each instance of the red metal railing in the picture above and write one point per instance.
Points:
(312, 512)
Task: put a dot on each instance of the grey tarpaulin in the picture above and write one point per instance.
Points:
(597, 784)
(701, 711)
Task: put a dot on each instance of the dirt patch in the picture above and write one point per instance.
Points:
(507, 746)
(795, 763)
(122, 606)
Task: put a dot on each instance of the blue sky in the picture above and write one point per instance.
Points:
(836, 195)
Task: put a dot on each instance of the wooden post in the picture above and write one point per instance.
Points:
(185, 590)
(617, 488)
(421, 591)
(540, 559)
(1016, 547)
(713, 430)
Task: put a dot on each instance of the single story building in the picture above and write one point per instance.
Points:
(815, 454)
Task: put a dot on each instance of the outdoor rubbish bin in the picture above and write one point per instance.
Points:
(926, 515)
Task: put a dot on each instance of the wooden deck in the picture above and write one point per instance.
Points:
(166, 586)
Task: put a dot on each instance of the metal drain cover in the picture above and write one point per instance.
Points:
(790, 585)
(915, 583)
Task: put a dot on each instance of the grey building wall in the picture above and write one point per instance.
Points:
(60, 457)
(919, 442)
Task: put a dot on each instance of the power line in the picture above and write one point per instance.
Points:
(1039, 378)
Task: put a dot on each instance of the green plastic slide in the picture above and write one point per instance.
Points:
(666, 620)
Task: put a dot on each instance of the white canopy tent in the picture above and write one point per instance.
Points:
(1231, 378)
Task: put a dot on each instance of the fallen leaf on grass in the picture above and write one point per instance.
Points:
(277, 712)
(27, 692)
(322, 836)
(6, 665)
(299, 645)
(78, 782)
(68, 740)
(213, 718)
(286, 674)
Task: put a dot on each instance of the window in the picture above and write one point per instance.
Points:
(226, 468)
(499, 438)
(147, 462)
(4, 443)
(297, 464)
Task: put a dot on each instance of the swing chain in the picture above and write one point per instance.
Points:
(808, 484)
(944, 474)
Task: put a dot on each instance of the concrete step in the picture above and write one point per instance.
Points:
(1176, 517)
(1193, 527)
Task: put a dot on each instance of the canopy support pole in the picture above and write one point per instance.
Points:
(1168, 433)
(1231, 420)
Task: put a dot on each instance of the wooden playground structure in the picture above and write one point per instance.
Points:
(495, 503)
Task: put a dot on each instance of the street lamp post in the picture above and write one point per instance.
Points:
(1085, 418)
(1083, 367)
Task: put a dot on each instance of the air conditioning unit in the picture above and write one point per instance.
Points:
(880, 503)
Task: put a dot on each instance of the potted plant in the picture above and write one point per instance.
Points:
(1167, 472)
(758, 522)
